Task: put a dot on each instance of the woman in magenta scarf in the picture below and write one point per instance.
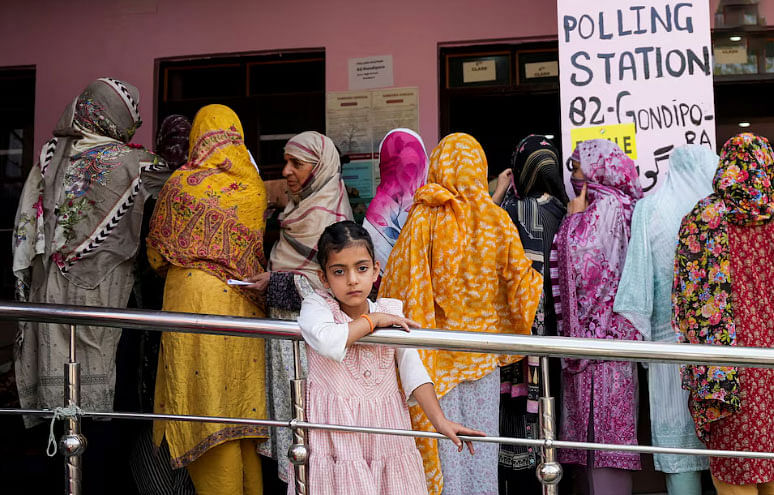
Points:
(403, 167)
(599, 397)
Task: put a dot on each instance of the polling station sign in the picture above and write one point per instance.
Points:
(644, 63)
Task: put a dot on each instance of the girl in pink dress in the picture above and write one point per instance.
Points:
(357, 385)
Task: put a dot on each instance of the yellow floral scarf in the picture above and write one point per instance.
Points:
(210, 213)
(459, 264)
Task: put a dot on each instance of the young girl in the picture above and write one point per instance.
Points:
(357, 384)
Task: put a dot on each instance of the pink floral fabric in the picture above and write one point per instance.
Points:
(599, 398)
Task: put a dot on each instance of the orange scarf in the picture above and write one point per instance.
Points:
(459, 264)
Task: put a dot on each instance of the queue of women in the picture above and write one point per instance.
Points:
(687, 263)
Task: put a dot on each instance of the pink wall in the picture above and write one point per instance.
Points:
(74, 42)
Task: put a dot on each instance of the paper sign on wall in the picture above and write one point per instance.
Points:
(733, 54)
(370, 72)
(648, 64)
(541, 69)
(479, 71)
(357, 121)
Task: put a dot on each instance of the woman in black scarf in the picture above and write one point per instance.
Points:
(532, 192)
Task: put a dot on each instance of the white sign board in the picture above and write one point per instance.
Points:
(370, 72)
(648, 63)
(732, 54)
(541, 69)
(479, 71)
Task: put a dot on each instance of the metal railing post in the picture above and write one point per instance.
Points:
(549, 472)
(298, 453)
(73, 443)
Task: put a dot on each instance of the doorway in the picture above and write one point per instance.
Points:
(514, 93)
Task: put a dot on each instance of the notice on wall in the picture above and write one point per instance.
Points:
(541, 69)
(479, 71)
(357, 121)
(731, 54)
(359, 175)
(648, 64)
(370, 72)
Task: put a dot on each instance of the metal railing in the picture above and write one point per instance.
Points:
(549, 471)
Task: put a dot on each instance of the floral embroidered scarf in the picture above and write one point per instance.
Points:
(459, 264)
(591, 247)
(701, 296)
(84, 198)
(403, 169)
(210, 213)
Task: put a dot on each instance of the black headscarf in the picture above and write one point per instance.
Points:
(536, 168)
(172, 140)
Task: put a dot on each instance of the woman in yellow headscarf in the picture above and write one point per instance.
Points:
(207, 228)
(459, 264)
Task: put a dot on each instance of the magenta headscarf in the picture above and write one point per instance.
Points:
(591, 247)
(403, 168)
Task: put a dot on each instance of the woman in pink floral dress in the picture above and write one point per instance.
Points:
(599, 398)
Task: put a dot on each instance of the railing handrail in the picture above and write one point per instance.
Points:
(533, 345)
(521, 442)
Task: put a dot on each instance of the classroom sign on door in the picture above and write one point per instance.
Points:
(638, 73)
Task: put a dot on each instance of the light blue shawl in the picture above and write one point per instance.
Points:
(644, 294)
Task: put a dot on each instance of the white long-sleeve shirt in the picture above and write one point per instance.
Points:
(328, 338)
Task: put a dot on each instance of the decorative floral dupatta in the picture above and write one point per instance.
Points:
(701, 296)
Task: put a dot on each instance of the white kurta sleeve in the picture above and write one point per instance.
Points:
(412, 371)
(319, 329)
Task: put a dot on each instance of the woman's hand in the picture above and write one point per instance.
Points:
(503, 181)
(386, 320)
(452, 429)
(259, 282)
(579, 203)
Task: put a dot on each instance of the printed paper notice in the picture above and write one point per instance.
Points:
(348, 121)
(357, 121)
(370, 72)
(479, 71)
(358, 174)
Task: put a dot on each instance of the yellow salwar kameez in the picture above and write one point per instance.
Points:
(208, 227)
(209, 375)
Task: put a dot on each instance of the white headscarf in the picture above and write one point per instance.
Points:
(322, 201)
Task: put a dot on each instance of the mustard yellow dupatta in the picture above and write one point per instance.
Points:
(210, 214)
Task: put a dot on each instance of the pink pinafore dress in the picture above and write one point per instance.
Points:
(362, 390)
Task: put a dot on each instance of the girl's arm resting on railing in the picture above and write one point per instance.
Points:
(428, 401)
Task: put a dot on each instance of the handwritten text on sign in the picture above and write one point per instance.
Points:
(648, 64)
(621, 134)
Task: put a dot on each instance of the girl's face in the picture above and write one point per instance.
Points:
(296, 172)
(350, 274)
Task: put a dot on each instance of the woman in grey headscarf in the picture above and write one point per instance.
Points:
(75, 239)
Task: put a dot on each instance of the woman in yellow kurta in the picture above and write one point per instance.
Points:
(208, 227)
(459, 264)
